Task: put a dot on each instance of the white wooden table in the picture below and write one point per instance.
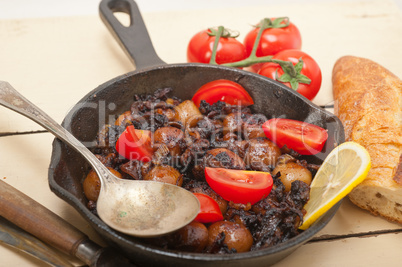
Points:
(55, 61)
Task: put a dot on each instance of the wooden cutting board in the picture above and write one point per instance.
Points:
(54, 62)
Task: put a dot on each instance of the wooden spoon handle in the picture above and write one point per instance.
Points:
(34, 218)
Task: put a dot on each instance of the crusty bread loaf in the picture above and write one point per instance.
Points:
(368, 101)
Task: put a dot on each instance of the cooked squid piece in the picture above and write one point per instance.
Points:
(262, 154)
(192, 238)
(165, 174)
(92, 184)
(292, 171)
(252, 127)
(172, 137)
(218, 158)
(187, 113)
(228, 235)
(223, 158)
(233, 123)
(124, 119)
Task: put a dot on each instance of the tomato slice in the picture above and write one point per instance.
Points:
(302, 137)
(134, 144)
(209, 211)
(239, 186)
(224, 90)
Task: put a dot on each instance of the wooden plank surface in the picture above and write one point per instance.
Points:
(54, 62)
(380, 250)
(24, 162)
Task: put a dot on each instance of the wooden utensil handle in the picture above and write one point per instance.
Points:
(34, 218)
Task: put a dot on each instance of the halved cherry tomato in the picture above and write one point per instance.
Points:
(209, 210)
(302, 137)
(239, 186)
(134, 144)
(224, 90)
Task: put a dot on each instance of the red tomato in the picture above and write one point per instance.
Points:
(223, 90)
(302, 137)
(200, 49)
(135, 144)
(209, 211)
(239, 186)
(310, 69)
(273, 40)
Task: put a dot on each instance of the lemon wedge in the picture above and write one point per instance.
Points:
(344, 168)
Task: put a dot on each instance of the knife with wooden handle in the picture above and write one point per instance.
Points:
(42, 223)
(14, 236)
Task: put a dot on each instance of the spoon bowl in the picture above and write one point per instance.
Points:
(154, 208)
(137, 208)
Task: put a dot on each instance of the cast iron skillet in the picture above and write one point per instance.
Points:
(68, 169)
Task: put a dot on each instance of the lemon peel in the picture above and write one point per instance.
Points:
(343, 169)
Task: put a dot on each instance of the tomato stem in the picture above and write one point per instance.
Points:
(277, 23)
(218, 35)
(264, 24)
(253, 60)
(226, 33)
(293, 75)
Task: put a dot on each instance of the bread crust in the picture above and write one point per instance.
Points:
(368, 101)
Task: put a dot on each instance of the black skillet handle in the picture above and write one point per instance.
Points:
(134, 39)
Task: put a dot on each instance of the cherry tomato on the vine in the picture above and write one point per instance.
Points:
(309, 68)
(201, 44)
(274, 39)
(222, 90)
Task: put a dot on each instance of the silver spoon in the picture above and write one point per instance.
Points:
(137, 208)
